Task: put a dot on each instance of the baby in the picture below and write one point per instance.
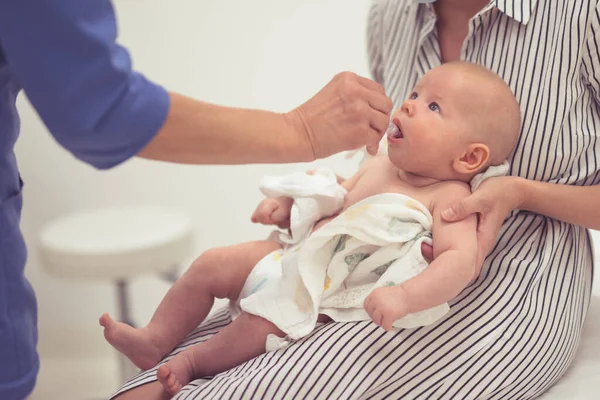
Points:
(460, 119)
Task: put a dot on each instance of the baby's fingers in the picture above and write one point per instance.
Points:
(266, 211)
(386, 322)
(256, 214)
(280, 216)
(377, 317)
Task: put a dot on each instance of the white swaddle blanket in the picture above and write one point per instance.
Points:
(375, 242)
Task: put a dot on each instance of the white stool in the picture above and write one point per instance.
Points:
(117, 245)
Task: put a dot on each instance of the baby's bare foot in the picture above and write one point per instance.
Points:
(134, 343)
(175, 374)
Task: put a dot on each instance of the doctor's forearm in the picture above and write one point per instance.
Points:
(201, 133)
(579, 205)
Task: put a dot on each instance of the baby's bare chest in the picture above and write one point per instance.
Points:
(381, 181)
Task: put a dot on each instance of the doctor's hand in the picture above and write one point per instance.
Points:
(348, 113)
(274, 211)
(492, 201)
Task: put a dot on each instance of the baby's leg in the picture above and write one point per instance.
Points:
(240, 341)
(217, 273)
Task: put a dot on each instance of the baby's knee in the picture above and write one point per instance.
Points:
(208, 263)
(209, 270)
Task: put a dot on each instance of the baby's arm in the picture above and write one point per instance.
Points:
(455, 256)
(454, 266)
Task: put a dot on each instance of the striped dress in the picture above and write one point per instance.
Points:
(514, 331)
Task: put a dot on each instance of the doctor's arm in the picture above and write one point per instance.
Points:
(81, 82)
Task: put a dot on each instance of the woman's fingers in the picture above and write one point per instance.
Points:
(487, 232)
(469, 205)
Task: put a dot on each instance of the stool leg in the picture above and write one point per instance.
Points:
(171, 275)
(127, 369)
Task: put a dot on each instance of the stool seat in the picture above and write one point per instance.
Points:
(115, 244)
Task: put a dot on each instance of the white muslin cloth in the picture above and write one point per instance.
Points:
(490, 172)
(315, 196)
(375, 242)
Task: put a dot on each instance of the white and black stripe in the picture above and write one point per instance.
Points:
(514, 331)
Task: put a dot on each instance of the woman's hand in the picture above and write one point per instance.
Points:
(348, 113)
(492, 201)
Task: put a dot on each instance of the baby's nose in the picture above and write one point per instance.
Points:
(408, 108)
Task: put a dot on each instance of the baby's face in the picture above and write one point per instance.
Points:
(433, 125)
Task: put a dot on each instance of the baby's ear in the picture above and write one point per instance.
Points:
(474, 158)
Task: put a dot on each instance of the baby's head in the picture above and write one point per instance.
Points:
(460, 119)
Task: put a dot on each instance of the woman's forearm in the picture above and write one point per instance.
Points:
(579, 205)
(201, 133)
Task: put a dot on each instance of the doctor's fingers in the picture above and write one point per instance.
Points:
(379, 121)
(380, 102)
(378, 124)
(356, 91)
(370, 84)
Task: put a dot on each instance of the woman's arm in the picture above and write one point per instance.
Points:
(579, 205)
(497, 197)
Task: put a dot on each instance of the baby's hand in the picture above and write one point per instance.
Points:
(274, 211)
(386, 305)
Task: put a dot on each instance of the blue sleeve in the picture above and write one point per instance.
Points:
(63, 53)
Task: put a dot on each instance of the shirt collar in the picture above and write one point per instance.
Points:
(519, 10)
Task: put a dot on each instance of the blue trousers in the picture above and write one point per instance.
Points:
(19, 362)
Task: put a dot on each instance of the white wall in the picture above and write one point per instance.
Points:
(271, 54)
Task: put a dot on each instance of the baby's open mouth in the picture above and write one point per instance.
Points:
(394, 131)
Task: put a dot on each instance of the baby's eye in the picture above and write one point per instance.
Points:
(434, 107)
(413, 96)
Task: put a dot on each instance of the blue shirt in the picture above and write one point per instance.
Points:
(63, 54)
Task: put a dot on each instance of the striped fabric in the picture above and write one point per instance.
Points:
(514, 331)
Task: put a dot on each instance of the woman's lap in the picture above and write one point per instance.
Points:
(510, 335)
(361, 361)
